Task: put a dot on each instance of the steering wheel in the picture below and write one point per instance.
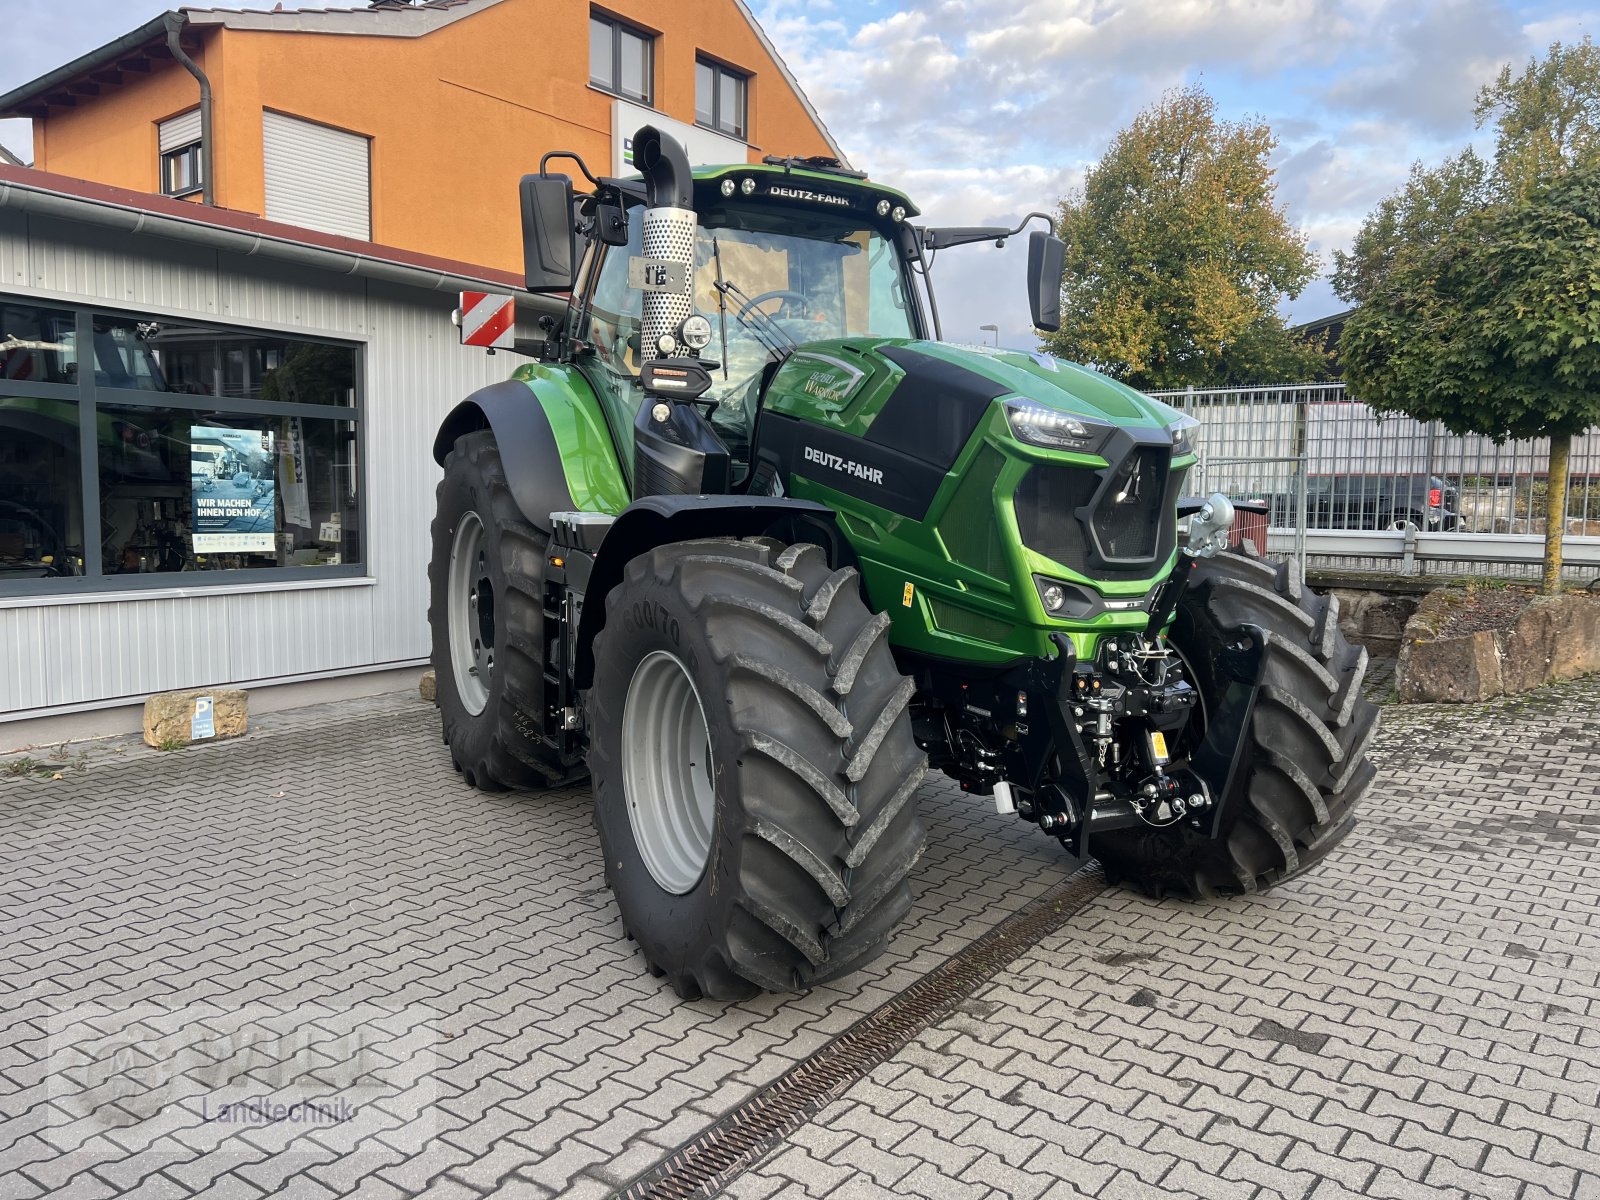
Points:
(797, 298)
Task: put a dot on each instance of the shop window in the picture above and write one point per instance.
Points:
(41, 489)
(621, 58)
(179, 357)
(218, 451)
(37, 344)
(721, 98)
(201, 490)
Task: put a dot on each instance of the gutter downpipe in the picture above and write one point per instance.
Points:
(175, 25)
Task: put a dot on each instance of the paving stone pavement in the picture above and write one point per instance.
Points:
(319, 915)
(1418, 1018)
(322, 912)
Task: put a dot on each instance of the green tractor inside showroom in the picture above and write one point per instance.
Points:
(753, 549)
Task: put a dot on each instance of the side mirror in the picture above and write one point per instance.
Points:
(549, 241)
(611, 224)
(1047, 257)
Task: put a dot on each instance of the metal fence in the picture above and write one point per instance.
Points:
(1349, 487)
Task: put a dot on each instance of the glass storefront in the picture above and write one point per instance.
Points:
(190, 449)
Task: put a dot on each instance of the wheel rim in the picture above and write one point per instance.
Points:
(471, 605)
(666, 772)
(1192, 734)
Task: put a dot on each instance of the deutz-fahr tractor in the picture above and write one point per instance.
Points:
(753, 549)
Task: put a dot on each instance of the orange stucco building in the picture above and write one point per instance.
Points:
(424, 115)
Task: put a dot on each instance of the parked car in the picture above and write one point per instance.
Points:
(1373, 502)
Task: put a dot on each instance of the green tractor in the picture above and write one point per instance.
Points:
(753, 549)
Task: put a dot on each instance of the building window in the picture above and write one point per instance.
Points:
(621, 59)
(180, 139)
(721, 98)
(220, 454)
(180, 171)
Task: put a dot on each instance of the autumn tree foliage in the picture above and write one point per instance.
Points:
(1479, 282)
(1177, 256)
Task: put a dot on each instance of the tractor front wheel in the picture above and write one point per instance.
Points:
(753, 765)
(1304, 753)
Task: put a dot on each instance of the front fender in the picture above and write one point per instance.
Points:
(656, 520)
(553, 440)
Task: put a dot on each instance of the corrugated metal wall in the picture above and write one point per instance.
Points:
(94, 650)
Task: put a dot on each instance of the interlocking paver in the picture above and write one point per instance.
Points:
(1426, 950)
(332, 861)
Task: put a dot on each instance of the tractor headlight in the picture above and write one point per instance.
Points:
(1185, 433)
(1052, 429)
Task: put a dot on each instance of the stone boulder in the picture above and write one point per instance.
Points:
(169, 718)
(1547, 638)
(1376, 620)
(428, 686)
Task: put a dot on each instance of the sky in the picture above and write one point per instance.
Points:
(985, 110)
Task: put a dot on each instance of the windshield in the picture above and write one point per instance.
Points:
(767, 279)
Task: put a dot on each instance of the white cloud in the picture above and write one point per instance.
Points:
(984, 109)
(1565, 28)
(1436, 57)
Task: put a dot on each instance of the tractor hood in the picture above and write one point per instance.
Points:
(886, 419)
(1053, 382)
(891, 390)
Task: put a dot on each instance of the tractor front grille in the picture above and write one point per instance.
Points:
(1046, 501)
(1116, 523)
(1127, 521)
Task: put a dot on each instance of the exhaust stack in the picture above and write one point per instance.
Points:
(669, 227)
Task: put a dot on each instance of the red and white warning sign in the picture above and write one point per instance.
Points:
(488, 319)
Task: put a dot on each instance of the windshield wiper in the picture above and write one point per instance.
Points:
(767, 331)
(722, 305)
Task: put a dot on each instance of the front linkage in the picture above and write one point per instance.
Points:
(1123, 741)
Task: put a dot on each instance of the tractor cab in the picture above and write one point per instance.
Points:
(778, 262)
(731, 270)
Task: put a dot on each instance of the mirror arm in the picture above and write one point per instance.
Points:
(575, 157)
(935, 238)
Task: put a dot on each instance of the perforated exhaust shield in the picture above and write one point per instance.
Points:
(668, 235)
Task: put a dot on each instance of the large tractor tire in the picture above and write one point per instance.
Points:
(487, 622)
(754, 768)
(1305, 750)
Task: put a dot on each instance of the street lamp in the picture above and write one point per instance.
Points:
(994, 329)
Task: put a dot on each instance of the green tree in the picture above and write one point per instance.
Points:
(1547, 119)
(1419, 214)
(1177, 256)
(1479, 283)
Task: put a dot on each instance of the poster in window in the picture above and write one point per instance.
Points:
(233, 478)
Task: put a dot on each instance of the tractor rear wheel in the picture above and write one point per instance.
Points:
(486, 618)
(754, 768)
(1305, 752)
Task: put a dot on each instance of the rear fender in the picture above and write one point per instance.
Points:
(657, 520)
(553, 441)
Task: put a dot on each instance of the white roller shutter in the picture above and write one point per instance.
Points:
(318, 178)
(179, 131)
